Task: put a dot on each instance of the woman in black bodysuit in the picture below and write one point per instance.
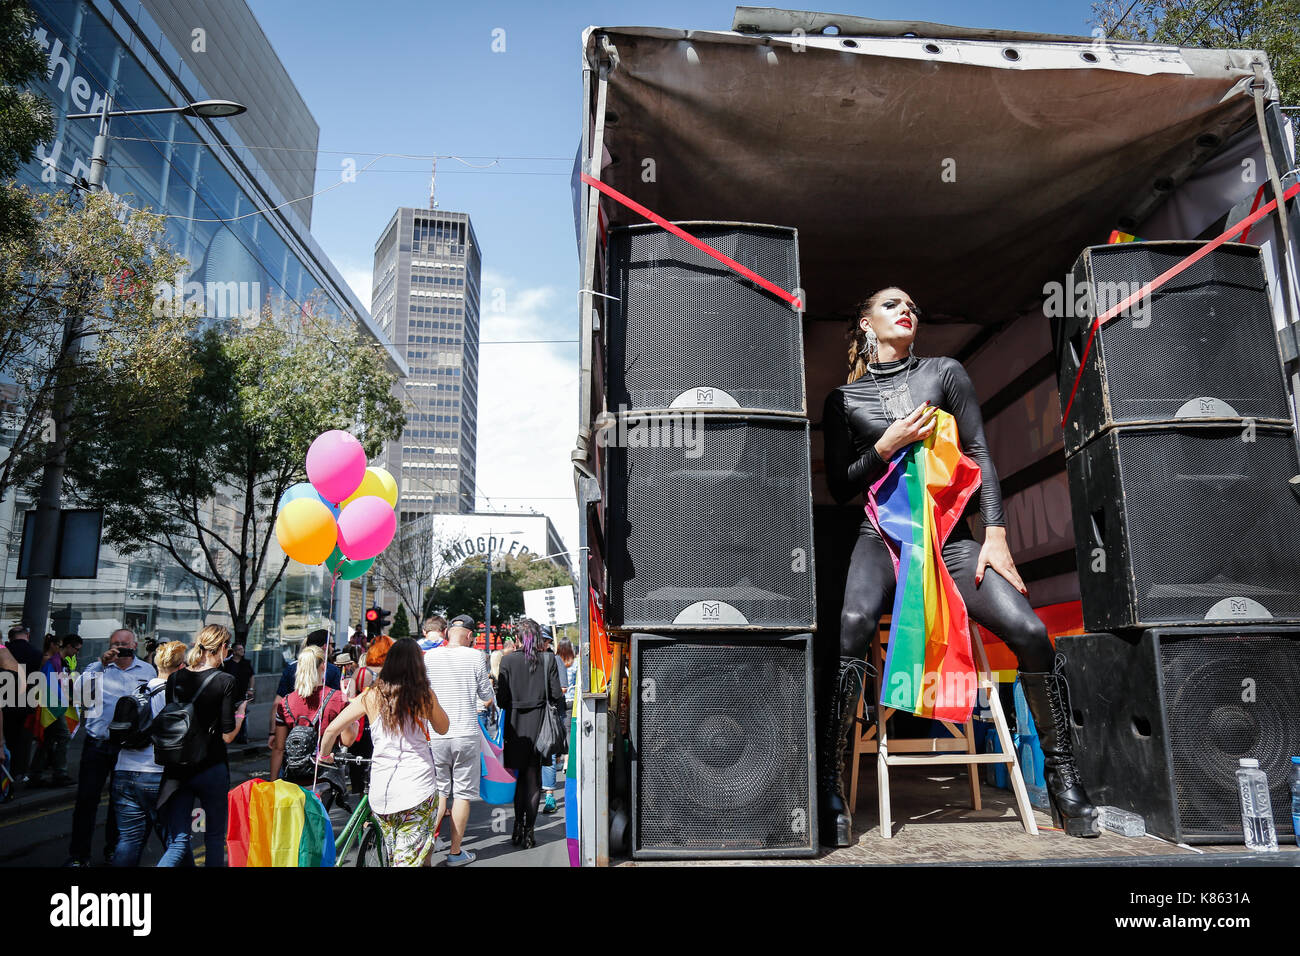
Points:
(888, 403)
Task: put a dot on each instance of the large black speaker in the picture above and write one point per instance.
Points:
(1187, 523)
(685, 331)
(1163, 716)
(1205, 350)
(711, 529)
(723, 760)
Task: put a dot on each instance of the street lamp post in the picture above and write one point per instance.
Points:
(49, 500)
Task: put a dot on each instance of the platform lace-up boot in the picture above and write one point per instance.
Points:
(1047, 695)
(834, 818)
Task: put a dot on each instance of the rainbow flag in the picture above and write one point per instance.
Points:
(57, 688)
(277, 823)
(571, 790)
(929, 669)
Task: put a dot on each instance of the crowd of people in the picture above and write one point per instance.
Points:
(410, 706)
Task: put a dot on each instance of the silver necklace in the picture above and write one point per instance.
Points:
(897, 401)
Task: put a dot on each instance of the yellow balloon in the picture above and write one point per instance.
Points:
(388, 483)
(306, 530)
(377, 482)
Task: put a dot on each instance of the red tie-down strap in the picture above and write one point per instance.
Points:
(795, 302)
(1164, 277)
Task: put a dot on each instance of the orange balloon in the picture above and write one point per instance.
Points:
(306, 530)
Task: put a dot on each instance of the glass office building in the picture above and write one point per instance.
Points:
(426, 300)
(207, 177)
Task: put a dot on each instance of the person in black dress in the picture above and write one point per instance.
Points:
(213, 692)
(888, 403)
(526, 680)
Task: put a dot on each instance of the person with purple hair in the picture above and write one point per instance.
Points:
(529, 682)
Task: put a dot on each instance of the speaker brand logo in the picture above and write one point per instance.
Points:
(704, 396)
(712, 610)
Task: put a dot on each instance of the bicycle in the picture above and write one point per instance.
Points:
(362, 828)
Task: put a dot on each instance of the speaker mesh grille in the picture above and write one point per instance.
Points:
(1227, 699)
(1210, 516)
(684, 321)
(723, 761)
(1210, 333)
(729, 519)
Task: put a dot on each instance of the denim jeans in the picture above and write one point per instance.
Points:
(135, 795)
(210, 787)
(548, 774)
(98, 758)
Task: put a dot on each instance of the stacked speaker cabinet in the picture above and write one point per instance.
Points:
(1180, 448)
(709, 540)
(1179, 442)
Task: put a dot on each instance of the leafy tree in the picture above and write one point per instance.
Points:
(412, 564)
(401, 626)
(463, 590)
(207, 490)
(1269, 25)
(94, 258)
(25, 117)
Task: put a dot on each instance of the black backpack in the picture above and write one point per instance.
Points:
(178, 741)
(133, 718)
(301, 743)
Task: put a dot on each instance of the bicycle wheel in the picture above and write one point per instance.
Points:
(370, 852)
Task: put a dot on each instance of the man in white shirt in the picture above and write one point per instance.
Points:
(116, 674)
(458, 673)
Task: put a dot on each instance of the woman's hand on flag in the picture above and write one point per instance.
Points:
(915, 427)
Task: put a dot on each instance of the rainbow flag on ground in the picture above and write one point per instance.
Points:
(929, 669)
(277, 823)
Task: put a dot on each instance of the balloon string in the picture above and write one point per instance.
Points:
(315, 774)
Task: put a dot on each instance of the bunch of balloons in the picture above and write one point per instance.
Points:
(343, 516)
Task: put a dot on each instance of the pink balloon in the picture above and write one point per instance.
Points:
(336, 463)
(366, 526)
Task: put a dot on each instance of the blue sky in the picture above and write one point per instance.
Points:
(422, 78)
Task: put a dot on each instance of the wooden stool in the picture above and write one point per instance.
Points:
(957, 748)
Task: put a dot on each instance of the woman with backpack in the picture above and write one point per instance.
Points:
(400, 707)
(190, 737)
(301, 716)
(137, 777)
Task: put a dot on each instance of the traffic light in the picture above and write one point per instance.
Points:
(376, 621)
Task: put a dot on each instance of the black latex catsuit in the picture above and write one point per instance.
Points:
(854, 420)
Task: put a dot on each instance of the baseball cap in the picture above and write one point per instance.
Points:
(461, 620)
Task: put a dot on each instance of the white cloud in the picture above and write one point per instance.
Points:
(527, 403)
(358, 277)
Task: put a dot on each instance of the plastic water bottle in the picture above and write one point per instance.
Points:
(1294, 783)
(1256, 809)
